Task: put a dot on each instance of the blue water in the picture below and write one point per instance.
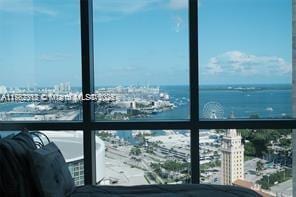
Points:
(179, 95)
(267, 101)
(6, 107)
(242, 103)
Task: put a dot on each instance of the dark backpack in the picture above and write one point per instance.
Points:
(16, 178)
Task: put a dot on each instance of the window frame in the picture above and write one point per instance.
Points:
(89, 126)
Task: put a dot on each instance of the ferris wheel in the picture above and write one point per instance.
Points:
(213, 110)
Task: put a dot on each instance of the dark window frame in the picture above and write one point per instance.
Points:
(89, 126)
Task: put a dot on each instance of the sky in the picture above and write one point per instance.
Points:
(245, 42)
(146, 42)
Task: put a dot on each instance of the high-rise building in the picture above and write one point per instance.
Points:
(232, 163)
(62, 88)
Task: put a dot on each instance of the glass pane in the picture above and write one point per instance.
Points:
(40, 78)
(259, 159)
(245, 60)
(141, 59)
(141, 157)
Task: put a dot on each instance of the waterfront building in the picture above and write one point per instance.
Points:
(232, 163)
(3, 90)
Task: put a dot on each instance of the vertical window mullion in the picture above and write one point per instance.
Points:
(294, 93)
(86, 20)
(194, 83)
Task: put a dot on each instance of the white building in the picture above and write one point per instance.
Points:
(232, 157)
(3, 90)
(62, 88)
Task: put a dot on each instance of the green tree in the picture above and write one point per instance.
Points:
(259, 166)
(172, 165)
(250, 149)
(135, 151)
(284, 142)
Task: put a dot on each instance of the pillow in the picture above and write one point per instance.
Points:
(16, 177)
(51, 172)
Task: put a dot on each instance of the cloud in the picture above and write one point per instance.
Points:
(24, 7)
(236, 62)
(53, 57)
(178, 4)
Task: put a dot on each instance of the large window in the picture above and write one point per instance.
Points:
(245, 60)
(141, 60)
(168, 77)
(40, 78)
